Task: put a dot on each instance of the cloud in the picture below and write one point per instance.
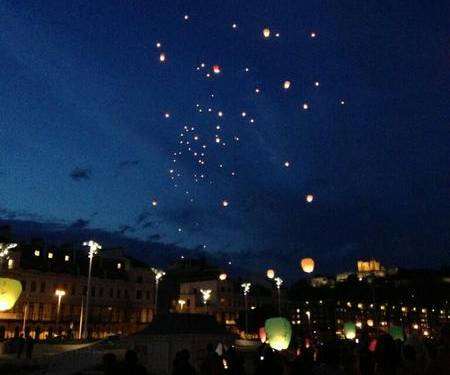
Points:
(79, 224)
(79, 174)
(125, 228)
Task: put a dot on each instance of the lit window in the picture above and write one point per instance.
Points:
(119, 266)
(10, 264)
(66, 258)
(37, 253)
(50, 255)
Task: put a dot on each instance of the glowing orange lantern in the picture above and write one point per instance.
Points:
(307, 265)
(262, 334)
(270, 273)
(216, 69)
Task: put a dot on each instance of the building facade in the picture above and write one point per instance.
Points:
(54, 290)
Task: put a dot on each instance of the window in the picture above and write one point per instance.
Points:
(43, 287)
(138, 294)
(37, 253)
(119, 266)
(50, 255)
(66, 258)
(10, 264)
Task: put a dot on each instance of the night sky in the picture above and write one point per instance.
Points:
(96, 132)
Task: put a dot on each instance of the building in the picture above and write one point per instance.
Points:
(225, 299)
(54, 288)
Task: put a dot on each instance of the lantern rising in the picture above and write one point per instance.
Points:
(278, 332)
(286, 85)
(262, 334)
(266, 32)
(307, 265)
(222, 276)
(216, 69)
(9, 293)
(270, 273)
(350, 330)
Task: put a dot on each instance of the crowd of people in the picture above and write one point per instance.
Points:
(369, 355)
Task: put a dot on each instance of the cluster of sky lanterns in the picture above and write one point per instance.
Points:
(188, 142)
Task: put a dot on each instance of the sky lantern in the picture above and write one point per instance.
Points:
(350, 330)
(278, 332)
(286, 85)
(222, 276)
(10, 290)
(225, 203)
(370, 322)
(154, 202)
(270, 273)
(309, 198)
(397, 333)
(266, 32)
(162, 57)
(262, 334)
(307, 265)
(216, 69)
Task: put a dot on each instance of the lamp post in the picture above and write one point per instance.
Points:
(246, 289)
(60, 294)
(4, 250)
(94, 247)
(206, 295)
(181, 302)
(158, 276)
(278, 282)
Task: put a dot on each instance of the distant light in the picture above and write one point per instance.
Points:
(216, 69)
(277, 35)
(266, 32)
(243, 114)
(162, 57)
(154, 202)
(257, 90)
(179, 229)
(309, 198)
(167, 115)
(286, 85)
(37, 253)
(50, 255)
(220, 113)
(222, 276)
(247, 69)
(316, 83)
(66, 258)
(158, 45)
(119, 266)
(287, 164)
(225, 203)
(305, 106)
(234, 26)
(270, 273)
(342, 102)
(313, 34)
(186, 17)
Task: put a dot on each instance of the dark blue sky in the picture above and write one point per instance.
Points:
(85, 143)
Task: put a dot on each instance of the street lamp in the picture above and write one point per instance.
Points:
(158, 276)
(246, 289)
(181, 302)
(206, 295)
(94, 247)
(278, 282)
(4, 250)
(60, 294)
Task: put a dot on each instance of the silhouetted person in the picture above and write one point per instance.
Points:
(29, 345)
(181, 365)
(131, 365)
(20, 345)
(110, 365)
(212, 365)
(235, 363)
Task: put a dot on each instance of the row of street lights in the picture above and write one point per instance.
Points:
(94, 248)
